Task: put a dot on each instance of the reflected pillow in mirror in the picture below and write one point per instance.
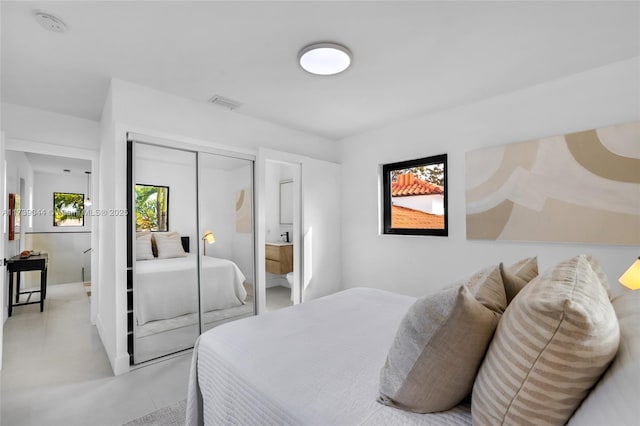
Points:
(143, 246)
(168, 245)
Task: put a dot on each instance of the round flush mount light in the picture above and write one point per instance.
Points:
(325, 58)
(50, 22)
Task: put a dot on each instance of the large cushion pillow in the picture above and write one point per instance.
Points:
(143, 246)
(516, 276)
(597, 268)
(553, 343)
(440, 344)
(609, 403)
(169, 245)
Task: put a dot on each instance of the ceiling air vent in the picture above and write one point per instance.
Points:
(224, 102)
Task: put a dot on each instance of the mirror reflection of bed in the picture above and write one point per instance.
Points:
(178, 291)
(167, 315)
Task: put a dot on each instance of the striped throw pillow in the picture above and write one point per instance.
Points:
(551, 346)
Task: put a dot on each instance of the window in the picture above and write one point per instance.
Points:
(152, 208)
(68, 209)
(415, 197)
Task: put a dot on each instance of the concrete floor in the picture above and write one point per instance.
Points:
(56, 371)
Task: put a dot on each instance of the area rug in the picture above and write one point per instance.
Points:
(173, 415)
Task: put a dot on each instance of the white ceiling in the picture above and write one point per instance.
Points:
(53, 164)
(410, 58)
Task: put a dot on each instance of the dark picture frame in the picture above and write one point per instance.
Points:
(14, 217)
(68, 209)
(152, 207)
(415, 197)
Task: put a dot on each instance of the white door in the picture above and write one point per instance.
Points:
(3, 238)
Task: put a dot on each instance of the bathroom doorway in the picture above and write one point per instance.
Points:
(282, 216)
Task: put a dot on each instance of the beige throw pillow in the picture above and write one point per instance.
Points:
(440, 344)
(143, 246)
(516, 276)
(552, 344)
(169, 245)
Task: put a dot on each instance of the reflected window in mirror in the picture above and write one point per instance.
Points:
(152, 208)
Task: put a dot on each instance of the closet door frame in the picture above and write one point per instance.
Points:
(137, 138)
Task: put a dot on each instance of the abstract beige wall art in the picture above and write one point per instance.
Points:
(243, 211)
(581, 187)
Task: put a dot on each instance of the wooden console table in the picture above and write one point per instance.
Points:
(32, 263)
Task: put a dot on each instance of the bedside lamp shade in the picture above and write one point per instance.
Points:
(209, 238)
(631, 278)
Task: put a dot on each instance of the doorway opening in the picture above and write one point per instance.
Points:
(52, 215)
(282, 220)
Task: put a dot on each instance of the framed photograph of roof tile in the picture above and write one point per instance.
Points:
(415, 197)
(581, 187)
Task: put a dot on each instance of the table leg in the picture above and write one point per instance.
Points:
(43, 288)
(45, 281)
(10, 293)
(17, 286)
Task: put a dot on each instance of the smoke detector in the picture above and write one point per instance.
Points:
(50, 22)
(224, 102)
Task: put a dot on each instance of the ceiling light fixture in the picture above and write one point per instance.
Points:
(50, 22)
(325, 58)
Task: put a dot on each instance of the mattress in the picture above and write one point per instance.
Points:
(314, 364)
(167, 288)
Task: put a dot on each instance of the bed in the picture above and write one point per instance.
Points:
(167, 288)
(337, 345)
(319, 363)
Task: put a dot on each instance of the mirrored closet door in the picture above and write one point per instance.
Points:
(226, 225)
(191, 246)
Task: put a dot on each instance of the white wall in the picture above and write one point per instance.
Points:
(218, 190)
(112, 303)
(217, 210)
(417, 265)
(66, 257)
(322, 228)
(145, 108)
(18, 167)
(242, 248)
(176, 169)
(37, 125)
(45, 184)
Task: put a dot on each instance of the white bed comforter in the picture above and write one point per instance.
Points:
(167, 288)
(312, 364)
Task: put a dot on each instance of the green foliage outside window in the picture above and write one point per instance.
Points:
(68, 209)
(152, 208)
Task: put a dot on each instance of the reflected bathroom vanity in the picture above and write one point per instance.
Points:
(279, 258)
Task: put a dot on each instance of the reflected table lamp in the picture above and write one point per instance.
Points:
(631, 278)
(207, 238)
